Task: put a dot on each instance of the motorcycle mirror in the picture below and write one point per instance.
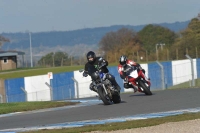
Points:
(81, 70)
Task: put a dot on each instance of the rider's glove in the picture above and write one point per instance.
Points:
(138, 65)
(85, 74)
(143, 71)
(102, 64)
(122, 69)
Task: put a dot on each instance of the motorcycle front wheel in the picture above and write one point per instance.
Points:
(145, 88)
(106, 100)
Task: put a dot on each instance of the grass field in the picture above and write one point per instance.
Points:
(6, 108)
(36, 71)
(186, 85)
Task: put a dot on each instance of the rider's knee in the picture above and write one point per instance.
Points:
(126, 85)
(110, 77)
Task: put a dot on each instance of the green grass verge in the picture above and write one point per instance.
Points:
(186, 85)
(123, 125)
(6, 108)
(36, 71)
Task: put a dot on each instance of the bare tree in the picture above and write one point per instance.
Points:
(2, 40)
(116, 39)
(123, 41)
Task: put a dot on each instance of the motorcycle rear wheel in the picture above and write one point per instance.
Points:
(116, 98)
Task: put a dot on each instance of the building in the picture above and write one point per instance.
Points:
(8, 59)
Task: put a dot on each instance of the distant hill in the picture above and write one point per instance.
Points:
(43, 42)
(83, 36)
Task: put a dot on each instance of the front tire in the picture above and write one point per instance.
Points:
(103, 96)
(145, 88)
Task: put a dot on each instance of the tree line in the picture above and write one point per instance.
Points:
(152, 43)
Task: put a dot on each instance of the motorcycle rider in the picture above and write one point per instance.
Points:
(91, 66)
(122, 68)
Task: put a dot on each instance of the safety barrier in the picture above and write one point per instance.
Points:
(72, 85)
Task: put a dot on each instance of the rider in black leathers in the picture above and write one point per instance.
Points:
(91, 67)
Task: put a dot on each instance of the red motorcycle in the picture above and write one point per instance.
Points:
(137, 80)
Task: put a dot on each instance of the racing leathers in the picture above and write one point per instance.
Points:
(91, 67)
(122, 70)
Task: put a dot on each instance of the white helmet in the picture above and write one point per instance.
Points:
(122, 60)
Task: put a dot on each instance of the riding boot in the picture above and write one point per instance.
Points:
(93, 87)
(135, 88)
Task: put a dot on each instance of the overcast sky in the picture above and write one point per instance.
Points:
(65, 15)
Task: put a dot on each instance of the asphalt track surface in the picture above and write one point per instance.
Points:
(132, 104)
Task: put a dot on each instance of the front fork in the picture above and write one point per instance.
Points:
(105, 89)
(146, 79)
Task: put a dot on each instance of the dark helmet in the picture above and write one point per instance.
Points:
(89, 55)
(122, 60)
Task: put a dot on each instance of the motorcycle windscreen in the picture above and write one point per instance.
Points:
(134, 74)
